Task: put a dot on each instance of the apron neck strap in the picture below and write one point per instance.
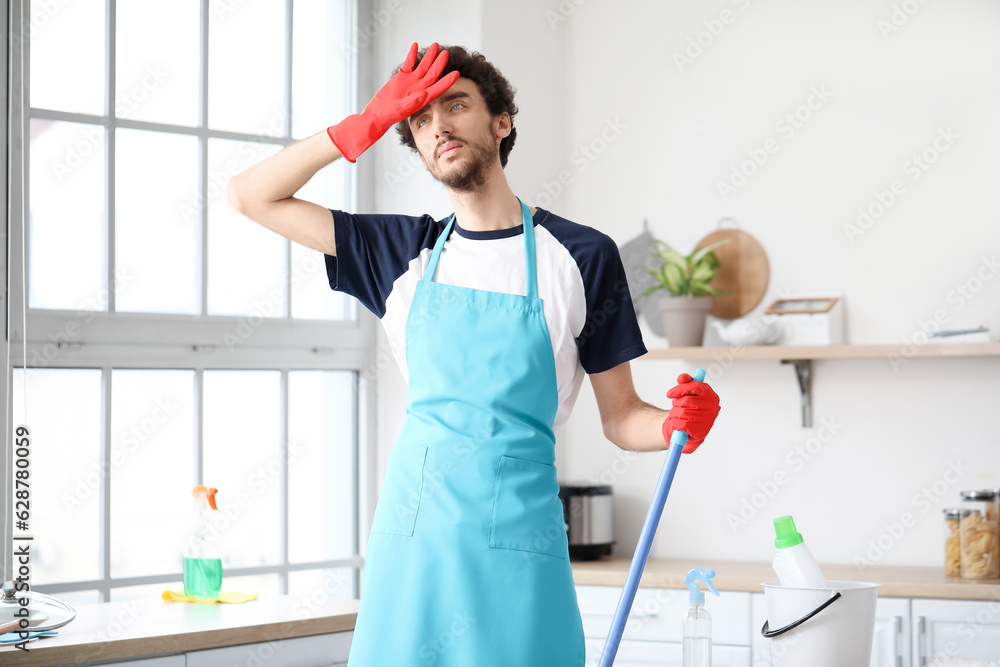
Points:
(529, 250)
(436, 253)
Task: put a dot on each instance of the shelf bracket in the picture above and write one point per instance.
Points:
(803, 371)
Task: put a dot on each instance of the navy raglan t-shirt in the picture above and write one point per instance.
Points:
(581, 281)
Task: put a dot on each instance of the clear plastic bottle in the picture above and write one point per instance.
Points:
(793, 562)
(202, 565)
(697, 621)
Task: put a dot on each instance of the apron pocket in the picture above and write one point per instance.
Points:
(396, 511)
(527, 513)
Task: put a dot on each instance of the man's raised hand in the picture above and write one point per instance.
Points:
(408, 91)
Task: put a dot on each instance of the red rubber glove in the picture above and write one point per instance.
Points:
(402, 96)
(695, 407)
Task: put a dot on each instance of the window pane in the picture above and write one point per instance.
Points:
(157, 223)
(246, 262)
(152, 465)
(246, 64)
(156, 75)
(67, 56)
(312, 297)
(312, 588)
(322, 50)
(67, 237)
(321, 465)
(64, 416)
(242, 460)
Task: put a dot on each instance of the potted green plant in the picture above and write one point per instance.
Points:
(686, 278)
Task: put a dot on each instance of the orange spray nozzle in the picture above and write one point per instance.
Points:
(209, 492)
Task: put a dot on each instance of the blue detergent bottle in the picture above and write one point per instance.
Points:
(697, 621)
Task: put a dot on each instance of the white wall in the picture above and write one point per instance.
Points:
(585, 67)
(687, 128)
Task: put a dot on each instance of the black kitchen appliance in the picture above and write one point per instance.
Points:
(588, 511)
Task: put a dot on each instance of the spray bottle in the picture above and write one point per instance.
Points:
(697, 621)
(793, 562)
(202, 565)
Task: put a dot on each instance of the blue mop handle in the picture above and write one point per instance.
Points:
(677, 441)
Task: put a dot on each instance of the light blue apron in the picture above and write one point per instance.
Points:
(467, 562)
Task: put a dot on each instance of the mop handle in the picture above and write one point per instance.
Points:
(677, 441)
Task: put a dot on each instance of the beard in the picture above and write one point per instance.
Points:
(469, 174)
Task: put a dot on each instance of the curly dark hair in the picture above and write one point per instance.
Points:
(496, 90)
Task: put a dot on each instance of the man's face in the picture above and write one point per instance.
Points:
(457, 137)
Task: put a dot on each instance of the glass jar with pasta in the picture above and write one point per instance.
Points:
(980, 546)
(953, 540)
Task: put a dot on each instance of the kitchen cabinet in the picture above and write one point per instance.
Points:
(653, 633)
(327, 650)
(921, 613)
(273, 630)
(891, 641)
(955, 629)
(664, 654)
(330, 650)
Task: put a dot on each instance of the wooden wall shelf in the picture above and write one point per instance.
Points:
(791, 352)
(802, 356)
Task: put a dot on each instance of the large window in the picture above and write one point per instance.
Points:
(169, 341)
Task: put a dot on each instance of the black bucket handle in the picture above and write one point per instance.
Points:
(794, 624)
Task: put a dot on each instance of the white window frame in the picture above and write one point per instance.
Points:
(191, 342)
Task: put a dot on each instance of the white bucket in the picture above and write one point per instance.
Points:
(830, 627)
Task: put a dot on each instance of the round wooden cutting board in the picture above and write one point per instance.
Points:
(743, 273)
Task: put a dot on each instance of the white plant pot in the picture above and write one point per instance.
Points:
(684, 319)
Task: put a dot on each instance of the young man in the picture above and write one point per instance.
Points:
(495, 314)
